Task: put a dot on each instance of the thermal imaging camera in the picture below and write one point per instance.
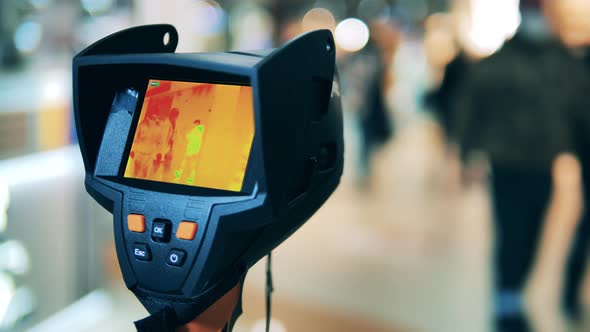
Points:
(207, 161)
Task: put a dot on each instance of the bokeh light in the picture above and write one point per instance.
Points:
(27, 36)
(318, 18)
(52, 91)
(490, 24)
(352, 34)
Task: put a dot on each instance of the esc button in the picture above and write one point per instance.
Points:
(142, 252)
(176, 257)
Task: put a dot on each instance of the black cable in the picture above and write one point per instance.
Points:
(269, 290)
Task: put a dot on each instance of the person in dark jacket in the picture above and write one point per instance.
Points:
(522, 107)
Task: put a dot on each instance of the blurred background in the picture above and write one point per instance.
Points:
(462, 206)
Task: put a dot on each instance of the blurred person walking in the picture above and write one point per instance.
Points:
(523, 106)
(364, 79)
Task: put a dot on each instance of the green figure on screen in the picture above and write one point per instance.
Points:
(194, 140)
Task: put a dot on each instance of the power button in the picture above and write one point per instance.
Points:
(176, 257)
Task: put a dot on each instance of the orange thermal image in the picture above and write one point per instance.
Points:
(195, 134)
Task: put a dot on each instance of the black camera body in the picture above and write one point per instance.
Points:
(179, 246)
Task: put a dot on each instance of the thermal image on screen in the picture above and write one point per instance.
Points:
(196, 134)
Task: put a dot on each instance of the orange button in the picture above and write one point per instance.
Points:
(136, 223)
(187, 230)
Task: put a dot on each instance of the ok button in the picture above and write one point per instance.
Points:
(176, 257)
(161, 230)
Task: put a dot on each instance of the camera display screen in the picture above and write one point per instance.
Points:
(195, 134)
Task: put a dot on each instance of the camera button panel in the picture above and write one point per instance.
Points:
(170, 242)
